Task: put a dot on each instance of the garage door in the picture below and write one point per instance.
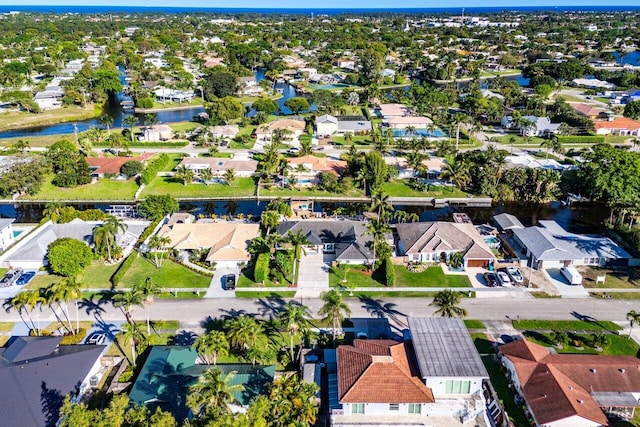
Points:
(477, 263)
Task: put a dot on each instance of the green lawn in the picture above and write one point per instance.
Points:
(564, 325)
(618, 345)
(473, 324)
(104, 189)
(505, 393)
(307, 192)
(184, 126)
(60, 115)
(431, 277)
(482, 343)
(616, 295)
(169, 185)
(614, 278)
(174, 160)
(96, 276)
(401, 294)
(400, 189)
(266, 294)
(358, 276)
(170, 275)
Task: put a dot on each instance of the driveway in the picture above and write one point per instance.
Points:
(313, 276)
(216, 289)
(562, 285)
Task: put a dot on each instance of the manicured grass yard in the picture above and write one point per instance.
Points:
(400, 189)
(564, 325)
(266, 294)
(618, 345)
(170, 275)
(170, 185)
(358, 276)
(505, 393)
(432, 277)
(482, 343)
(104, 189)
(174, 160)
(473, 324)
(96, 276)
(614, 278)
(307, 192)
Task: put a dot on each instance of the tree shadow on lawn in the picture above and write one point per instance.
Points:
(590, 319)
(381, 310)
(540, 337)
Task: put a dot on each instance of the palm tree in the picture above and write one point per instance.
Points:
(157, 242)
(229, 176)
(380, 203)
(130, 121)
(214, 344)
(131, 333)
(409, 130)
(107, 120)
(447, 302)
(294, 319)
(126, 301)
(634, 318)
(457, 171)
(20, 303)
(148, 290)
(65, 290)
(21, 146)
(297, 242)
(414, 161)
(53, 210)
(184, 174)
(244, 332)
(334, 310)
(213, 392)
(105, 235)
(377, 228)
(294, 400)
(206, 175)
(31, 300)
(348, 137)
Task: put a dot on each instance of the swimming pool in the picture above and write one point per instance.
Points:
(492, 241)
(436, 133)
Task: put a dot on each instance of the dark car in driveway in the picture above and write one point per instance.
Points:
(491, 279)
(25, 278)
(229, 282)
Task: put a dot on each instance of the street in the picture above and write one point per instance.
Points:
(395, 309)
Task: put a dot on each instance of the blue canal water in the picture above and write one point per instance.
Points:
(632, 58)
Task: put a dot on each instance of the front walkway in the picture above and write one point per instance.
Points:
(313, 276)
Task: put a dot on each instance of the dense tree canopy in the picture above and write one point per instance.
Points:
(68, 257)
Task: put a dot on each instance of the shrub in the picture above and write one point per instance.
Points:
(123, 268)
(156, 206)
(389, 272)
(74, 339)
(154, 144)
(131, 168)
(153, 168)
(147, 231)
(68, 257)
(581, 139)
(145, 103)
(261, 268)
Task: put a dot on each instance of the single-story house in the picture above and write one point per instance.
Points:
(50, 98)
(170, 370)
(551, 246)
(37, 372)
(329, 125)
(506, 222)
(436, 377)
(388, 111)
(228, 242)
(618, 126)
(417, 122)
(346, 63)
(225, 132)
(157, 133)
(344, 239)
(308, 167)
(101, 166)
(433, 167)
(571, 389)
(437, 241)
(594, 83)
(586, 110)
(7, 238)
(219, 165)
(295, 127)
(540, 126)
(526, 160)
(31, 251)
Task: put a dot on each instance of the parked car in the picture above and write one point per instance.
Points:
(96, 338)
(491, 279)
(25, 278)
(504, 279)
(571, 274)
(516, 275)
(11, 277)
(229, 282)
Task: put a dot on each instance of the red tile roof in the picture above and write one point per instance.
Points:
(113, 164)
(557, 386)
(379, 371)
(622, 123)
(586, 110)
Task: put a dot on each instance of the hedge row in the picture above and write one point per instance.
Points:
(172, 144)
(153, 168)
(261, 268)
(389, 272)
(584, 139)
(147, 231)
(124, 267)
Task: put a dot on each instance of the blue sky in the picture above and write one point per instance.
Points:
(323, 4)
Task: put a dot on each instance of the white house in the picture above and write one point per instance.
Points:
(7, 237)
(157, 133)
(329, 125)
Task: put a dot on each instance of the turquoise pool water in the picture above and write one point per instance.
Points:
(329, 87)
(437, 133)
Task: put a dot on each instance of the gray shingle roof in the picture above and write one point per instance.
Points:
(507, 221)
(33, 388)
(444, 348)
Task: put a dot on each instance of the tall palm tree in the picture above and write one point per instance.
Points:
(380, 203)
(53, 210)
(457, 171)
(184, 174)
(244, 332)
(334, 309)
(107, 120)
(447, 302)
(130, 121)
(229, 176)
(19, 303)
(213, 392)
(148, 290)
(157, 242)
(105, 235)
(294, 319)
(634, 318)
(376, 228)
(131, 333)
(32, 301)
(297, 241)
(214, 344)
(61, 293)
(126, 301)
(409, 130)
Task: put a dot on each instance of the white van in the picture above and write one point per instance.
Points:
(571, 274)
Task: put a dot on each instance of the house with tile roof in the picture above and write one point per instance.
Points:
(243, 168)
(306, 169)
(170, 370)
(435, 378)
(294, 127)
(618, 126)
(37, 372)
(437, 241)
(101, 166)
(227, 241)
(571, 389)
(586, 110)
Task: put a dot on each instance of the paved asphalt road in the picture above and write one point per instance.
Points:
(195, 311)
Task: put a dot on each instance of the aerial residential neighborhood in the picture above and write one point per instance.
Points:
(362, 216)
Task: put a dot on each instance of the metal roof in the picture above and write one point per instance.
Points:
(443, 348)
(616, 399)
